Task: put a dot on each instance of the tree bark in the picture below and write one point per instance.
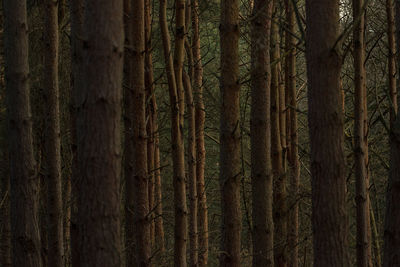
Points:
(150, 99)
(175, 85)
(363, 235)
(260, 127)
(137, 224)
(77, 79)
(193, 230)
(23, 179)
(200, 147)
(278, 138)
(230, 171)
(391, 250)
(325, 118)
(54, 212)
(98, 134)
(292, 150)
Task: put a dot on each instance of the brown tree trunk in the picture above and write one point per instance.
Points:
(175, 86)
(23, 179)
(54, 212)
(76, 11)
(159, 225)
(98, 134)
(260, 127)
(391, 249)
(200, 147)
(137, 223)
(5, 234)
(149, 81)
(193, 231)
(325, 117)
(360, 134)
(230, 171)
(292, 152)
(277, 140)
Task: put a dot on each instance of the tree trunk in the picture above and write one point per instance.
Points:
(24, 183)
(360, 134)
(325, 117)
(230, 171)
(292, 151)
(77, 79)
(54, 212)
(137, 223)
(175, 86)
(150, 98)
(278, 123)
(98, 134)
(391, 249)
(193, 232)
(260, 127)
(200, 148)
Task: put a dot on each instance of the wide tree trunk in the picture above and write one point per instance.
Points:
(137, 224)
(98, 134)
(24, 183)
(230, 171)
(55, 229)
(325, 118)
(260, 127)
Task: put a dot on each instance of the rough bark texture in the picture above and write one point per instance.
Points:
(325, 118)
(200, 147)
(151, 123)
(191, 152)
(23, 179)
(98, 134)
(363, 235)
(230, 171)
(137, 223)
(5, 235)
(76, 10)
(292, 150)
(261, 173)
(54, 212)
(175, 85)
(392, 219)
(278, 141)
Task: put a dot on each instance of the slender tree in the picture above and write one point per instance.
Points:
(230, 171)
(52, 142)
(261, 174)
(193, 234)
(174, 68)
(150, 125)
(360, 134)
(278, 137)
(76, 11)
(200, 147)
(325, 118)
(292, 151)
(98, 134)
(23, 179)
(392, 219)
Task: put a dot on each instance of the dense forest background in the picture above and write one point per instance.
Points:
(152, 144)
